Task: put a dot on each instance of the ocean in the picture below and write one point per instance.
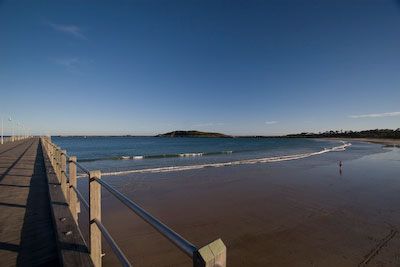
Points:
(124, 155)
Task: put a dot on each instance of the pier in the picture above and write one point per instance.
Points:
(26, 230)
(40, 206)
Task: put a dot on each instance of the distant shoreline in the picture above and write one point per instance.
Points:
(383, 141)
(381, 136)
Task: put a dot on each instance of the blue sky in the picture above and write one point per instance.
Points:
(238, 67)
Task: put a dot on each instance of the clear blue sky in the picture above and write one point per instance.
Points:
(238, 67)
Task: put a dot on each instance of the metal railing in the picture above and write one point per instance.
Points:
(211, 255)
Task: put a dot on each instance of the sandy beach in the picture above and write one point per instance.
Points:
(299, 213)
(383, 141)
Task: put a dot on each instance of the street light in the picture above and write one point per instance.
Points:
(17, 132)
(12, 129)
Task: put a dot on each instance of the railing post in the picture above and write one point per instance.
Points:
(59, 163)
(46, 144)
(55, 157)
(50, 152)
(211, 255)
(52, 155)
(95, 213)
(56, 162)
(73, 199)
(64, 181)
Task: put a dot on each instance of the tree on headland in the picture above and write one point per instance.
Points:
(377, 133)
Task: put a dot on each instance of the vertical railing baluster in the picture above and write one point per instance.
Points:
(64, 180)
(56, 162)
(73, 199)
(51, 151)
(51, 155)
(95, 213)
(59, 162)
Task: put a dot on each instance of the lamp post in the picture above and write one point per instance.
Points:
(12, 129)
(17, 131)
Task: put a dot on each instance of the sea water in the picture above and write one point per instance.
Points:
(122, 155)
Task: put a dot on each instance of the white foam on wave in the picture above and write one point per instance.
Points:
(190, 154)
(232, 163)
(134, 157)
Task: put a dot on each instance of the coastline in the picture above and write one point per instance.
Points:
(382, 141)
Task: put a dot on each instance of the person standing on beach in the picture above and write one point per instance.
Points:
(340, 167)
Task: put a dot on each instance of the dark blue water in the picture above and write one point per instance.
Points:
(111, 153)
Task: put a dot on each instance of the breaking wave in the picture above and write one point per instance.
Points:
(139, 157)
(231, 163)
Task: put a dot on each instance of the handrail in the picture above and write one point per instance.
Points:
(67, 156)
(211, 255)
(175, 238)
(81, 198)
(82, 168)
(113, 244)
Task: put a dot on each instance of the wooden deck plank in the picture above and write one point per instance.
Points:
(36, 225)
(26, 228)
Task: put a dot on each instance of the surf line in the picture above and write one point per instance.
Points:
(224, 164)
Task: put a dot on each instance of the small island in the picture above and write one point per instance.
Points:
(194, 134)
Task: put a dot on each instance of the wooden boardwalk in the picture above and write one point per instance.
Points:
(39, 214)
(27, 236)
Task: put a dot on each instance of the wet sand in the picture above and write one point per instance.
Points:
(383, 141)
(298, 213)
